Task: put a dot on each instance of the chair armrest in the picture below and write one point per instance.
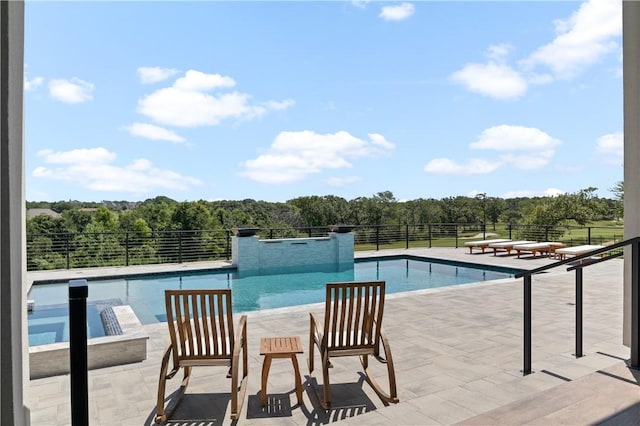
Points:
(317, 334)
(165, 363)
(385, 343)
(241, 334)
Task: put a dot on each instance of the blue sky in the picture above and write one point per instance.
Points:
(276, 100)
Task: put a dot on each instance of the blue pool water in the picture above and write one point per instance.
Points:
(145, 294)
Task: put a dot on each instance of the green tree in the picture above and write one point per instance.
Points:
(43, 224)
(618, 191)
(494, 208)
(76, 220)
(105, 220)
(191, 216)
(157, 212)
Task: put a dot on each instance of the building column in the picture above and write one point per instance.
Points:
(631, 73)
(13, 351)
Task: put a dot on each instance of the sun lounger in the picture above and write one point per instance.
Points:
(547, 247)
(507, 246)
(575, 251)
(483, 244)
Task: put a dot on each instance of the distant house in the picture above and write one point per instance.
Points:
(88, 209)
(39, 212)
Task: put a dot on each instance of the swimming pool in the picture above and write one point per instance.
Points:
(280, 288)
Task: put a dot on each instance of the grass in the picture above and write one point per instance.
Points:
(596, 233)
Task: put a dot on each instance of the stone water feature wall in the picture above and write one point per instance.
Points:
(249, 253)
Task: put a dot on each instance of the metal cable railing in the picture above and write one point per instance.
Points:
(578, 263)
(81, 250)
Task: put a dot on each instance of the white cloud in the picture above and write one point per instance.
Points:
(295, 155)
(611, 147)
(378, 139)
(279, 105)
(149, 75)
(32, 84)
(525, 148)
(88, 155)
(495, 80)
(445, 166)
(538, 146)
(92, 168)
(72, 91)
(553, 192)
(532, 160)
(341, 181)
(514, 138)
(150, 131)
(581, 40)
(519, 193)
(397, 13)
(590, 33)
(187, 104)
(360, 4)
(498, 52)
(527, 193)
(198, 81)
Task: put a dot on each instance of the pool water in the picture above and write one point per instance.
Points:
(279, 288)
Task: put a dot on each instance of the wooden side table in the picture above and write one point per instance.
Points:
(280, 347)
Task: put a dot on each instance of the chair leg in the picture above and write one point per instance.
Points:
(392, 396)
(326, 386)
(311, 354)
(238, 392)
(161, 416)
(312, 326)
(164, 412)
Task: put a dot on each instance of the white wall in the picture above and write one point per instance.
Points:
(13, 351)
(631, 71)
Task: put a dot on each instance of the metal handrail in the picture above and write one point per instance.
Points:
(635, 296)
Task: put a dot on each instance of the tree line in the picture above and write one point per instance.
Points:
(164, 214)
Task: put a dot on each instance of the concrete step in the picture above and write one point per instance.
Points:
(609, 396)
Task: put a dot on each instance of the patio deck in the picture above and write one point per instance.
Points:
(457, 352)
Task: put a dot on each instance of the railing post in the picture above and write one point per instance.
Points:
(456, 235)
(578, 312)
(510, 230)
(271, 233)
(526, 369)
(126, 249)
(406, 233)
(78, 291)
(179, 246)
(67, 244)
(589, 235)
(635, 304)
(484, 232)
(430, 235)
(228, 249)
(377, 237)
(546, 233)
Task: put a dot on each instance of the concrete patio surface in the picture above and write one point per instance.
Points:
(458, 353)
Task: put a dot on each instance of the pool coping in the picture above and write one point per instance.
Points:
(52, 359)
(139, 338)
(180, 269)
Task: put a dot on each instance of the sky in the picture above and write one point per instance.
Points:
(274, 100)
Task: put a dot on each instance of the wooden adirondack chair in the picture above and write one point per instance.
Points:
(201, 334)
(352, 327)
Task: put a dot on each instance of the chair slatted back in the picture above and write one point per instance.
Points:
(200, 324)
(353, 314)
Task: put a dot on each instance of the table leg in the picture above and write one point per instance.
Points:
(296, 371)
(265, 374)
